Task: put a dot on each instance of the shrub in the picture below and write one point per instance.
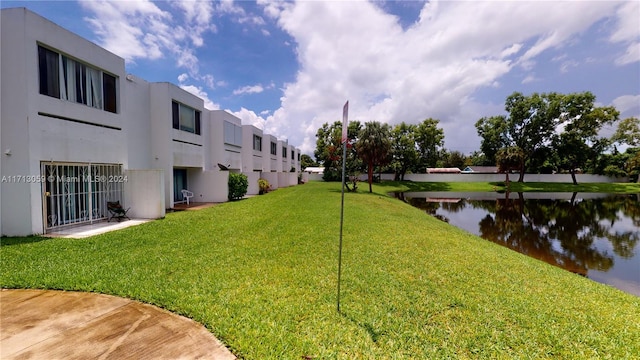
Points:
(263, 186)
(238, 185)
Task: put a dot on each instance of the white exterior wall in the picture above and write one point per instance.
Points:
(29, 137)
(282, 156)
(209, 186)
(138, 122)
(172, 148)
(145, 189)
(251, 158)
(227, 154)
(272, 159)
(297, 160)
(272, 178)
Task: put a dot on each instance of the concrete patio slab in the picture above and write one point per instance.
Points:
(44, 324)
(86, 230)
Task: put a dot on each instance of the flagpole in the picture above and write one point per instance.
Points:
(345, 124)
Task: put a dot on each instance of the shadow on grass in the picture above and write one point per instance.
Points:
(418, 186)
(363, 186)
(20, 240)
(373, 333)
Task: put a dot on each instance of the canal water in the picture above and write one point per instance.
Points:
(592, 234)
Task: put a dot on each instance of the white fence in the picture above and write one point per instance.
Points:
(548, 178)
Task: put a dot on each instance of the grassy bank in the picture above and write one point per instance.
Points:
(261, 274)
(618, 188)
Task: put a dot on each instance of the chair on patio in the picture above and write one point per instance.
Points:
(187, 195)
(117, 211)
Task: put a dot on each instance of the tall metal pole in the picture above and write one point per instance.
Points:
(344, 161)
(345, 123)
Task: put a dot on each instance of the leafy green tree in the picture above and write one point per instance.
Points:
(579, 141)
(329, 149)
(509, 158)
(373, 146)
(478, 158)
(493, 131)
(628, 132)
(306, 161)
(453, 159)
(429, 140)
(532, 122)
(529, 126)
(403, 149)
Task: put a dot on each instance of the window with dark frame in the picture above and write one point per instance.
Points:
(257, 143)
(274, 148)
(65, 78)
(185, 118)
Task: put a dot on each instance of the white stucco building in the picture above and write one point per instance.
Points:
(77, 131)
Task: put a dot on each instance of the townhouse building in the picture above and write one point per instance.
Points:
(77, 131)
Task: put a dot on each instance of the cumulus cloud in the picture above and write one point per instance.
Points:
(199, 92)
(249, 117)
(249, 89)
(627, 104)
(356, 51)
(142, 30)
(627, 31)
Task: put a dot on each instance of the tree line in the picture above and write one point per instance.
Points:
(540, 133)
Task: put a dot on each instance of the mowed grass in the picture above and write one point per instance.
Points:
(514, 186)
(261, 274)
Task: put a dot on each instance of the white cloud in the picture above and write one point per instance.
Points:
(249, 89)
(566, 65)
(631, 55)
(199, 92)
(529, 79)
(627, 31)
(627, 103)
(355, 51)
(182, 77)
(141, 30)
(249, 117)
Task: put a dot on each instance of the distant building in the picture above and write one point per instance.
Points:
(480, 170)
(314, 170)
(452, 170)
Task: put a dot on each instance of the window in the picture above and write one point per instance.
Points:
(49, 75)
(232, 134)
(284, 153)
(274, 148)
(109, 91)
(185, 118)
(67, 79)
(293, 155)
(257, 143)
(298, 156)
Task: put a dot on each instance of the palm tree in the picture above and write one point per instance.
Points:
(373, 146)
(509, 158)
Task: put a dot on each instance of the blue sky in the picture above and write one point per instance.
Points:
(288, 67)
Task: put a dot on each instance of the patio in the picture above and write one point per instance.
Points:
(86, 230)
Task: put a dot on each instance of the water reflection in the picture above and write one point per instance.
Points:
(593, 235)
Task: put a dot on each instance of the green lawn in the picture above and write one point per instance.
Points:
(261, 275)
(618, 188)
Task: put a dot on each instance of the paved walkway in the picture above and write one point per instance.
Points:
(43, 324)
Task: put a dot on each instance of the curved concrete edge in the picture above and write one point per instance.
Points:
(55, 324)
